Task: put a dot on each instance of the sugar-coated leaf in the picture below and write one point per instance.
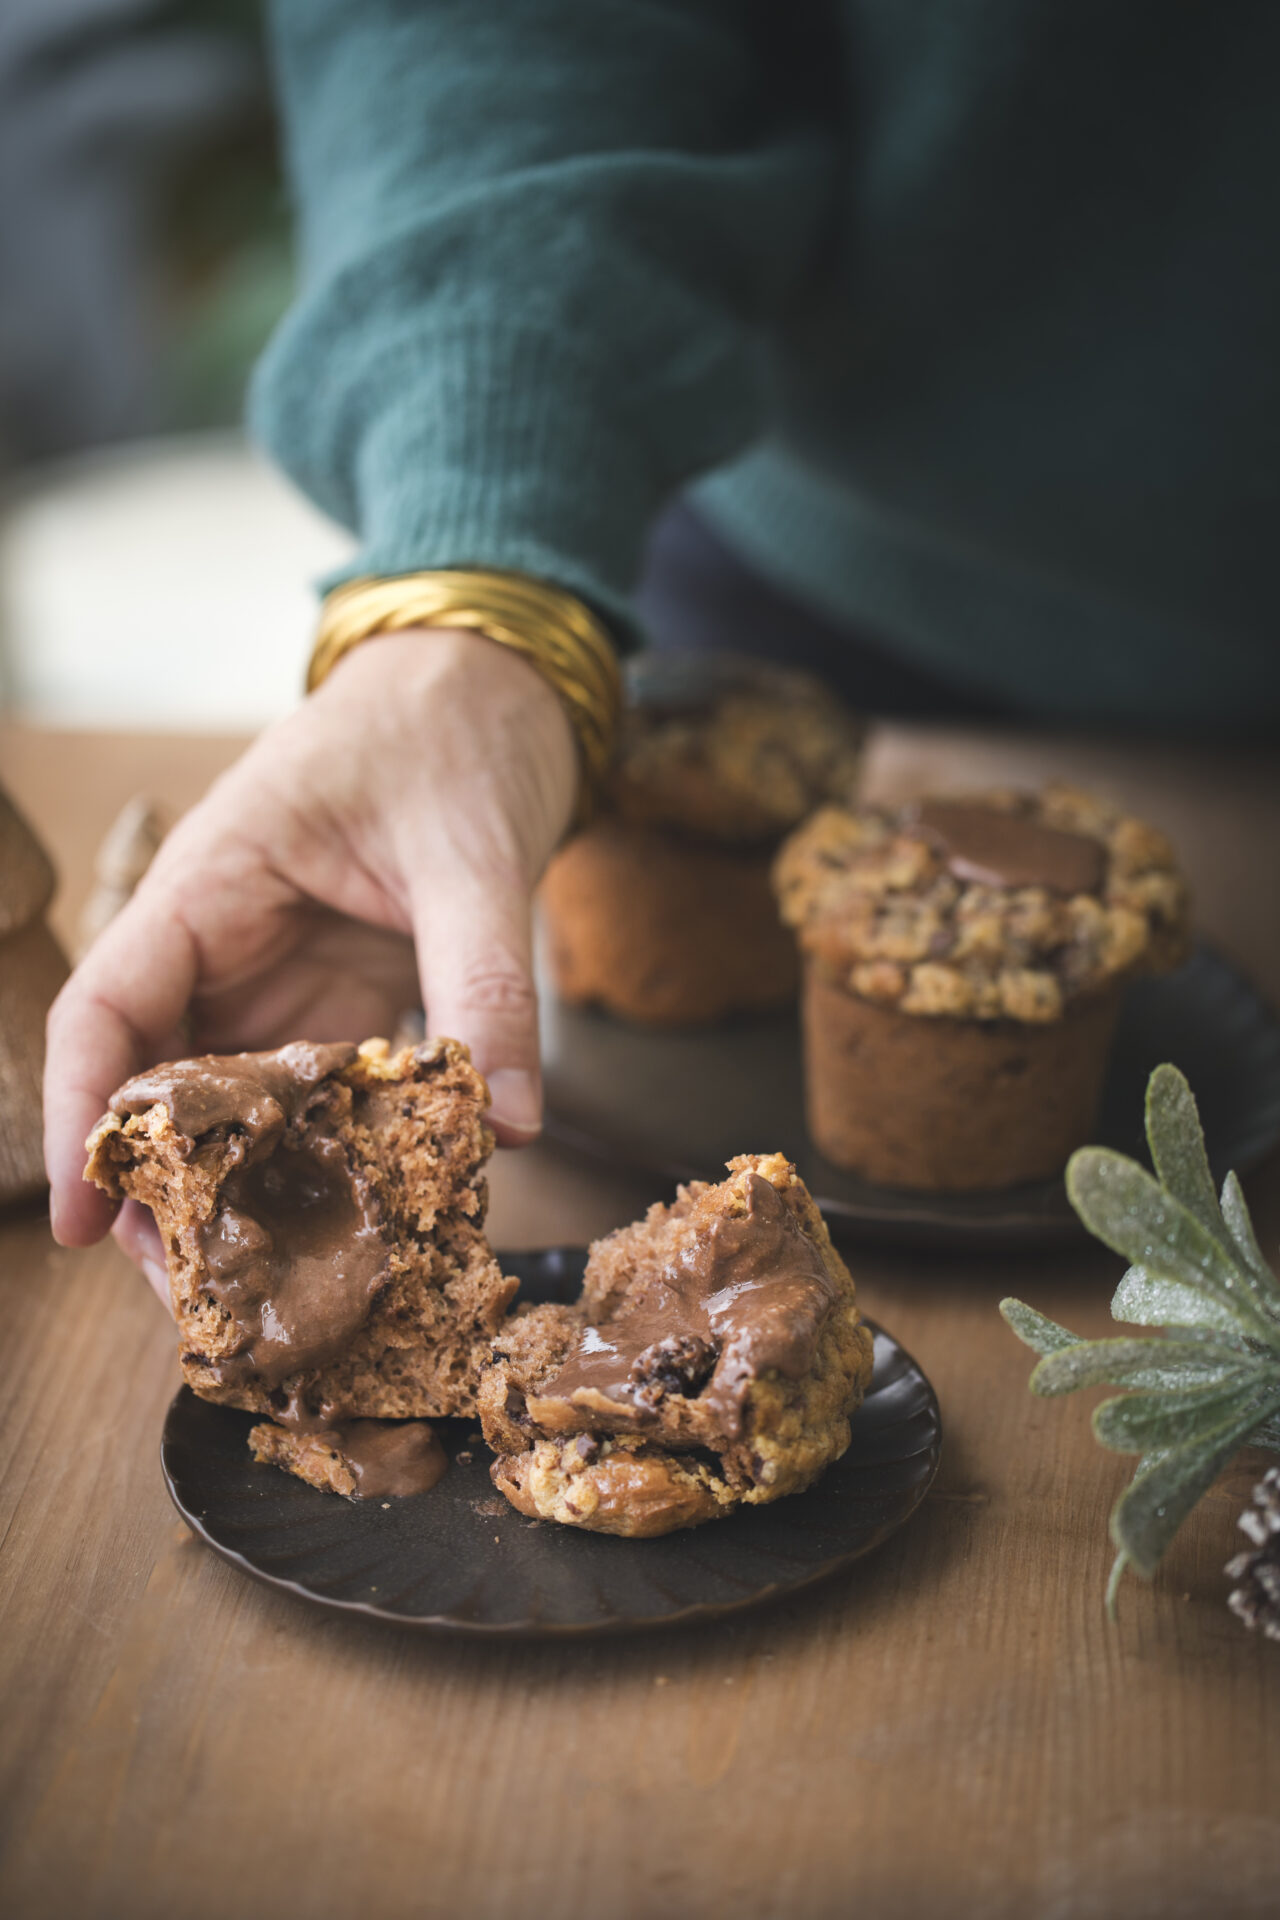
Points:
(1150, 1363)
(1148, 1461)
(1176, 1139)
(1211, 1382)
(1118, 1566)
(1036, 1330)
(1142, 1300)
(1140, 1421)
(1239, 1223)
(1206, 1337)
(1122, 1205)
(1162, 1493)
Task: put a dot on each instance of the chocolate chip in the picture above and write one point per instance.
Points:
(681, 1363)
(516, 1408)
(586, 1446)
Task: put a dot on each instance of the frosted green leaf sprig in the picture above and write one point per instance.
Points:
(1208, 1382)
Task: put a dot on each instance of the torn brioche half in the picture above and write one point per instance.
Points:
(713, 1361)
(322, 1211)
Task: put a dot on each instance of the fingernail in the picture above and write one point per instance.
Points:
(515, 1100)
(157, 1278)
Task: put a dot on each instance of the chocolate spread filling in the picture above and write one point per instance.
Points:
(257, 1093)
(390, 1459)
(294, 1252)
(747, 1296)
(992, 849)
(295, 1255)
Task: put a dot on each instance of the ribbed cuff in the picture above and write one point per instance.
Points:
(457, 449)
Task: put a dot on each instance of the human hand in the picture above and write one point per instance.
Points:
(409, 804)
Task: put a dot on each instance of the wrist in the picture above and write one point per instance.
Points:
(480, 710)
(442, 663)
(551, 629)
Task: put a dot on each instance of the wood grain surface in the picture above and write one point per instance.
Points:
(953, 1729)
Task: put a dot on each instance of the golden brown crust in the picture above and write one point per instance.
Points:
(664, 932)
(679, 1460)
(951, 1105)
(625, 1489)
(733, 749)
(662, 911)
(877, 909)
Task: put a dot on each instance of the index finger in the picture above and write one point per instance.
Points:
(118, 1013)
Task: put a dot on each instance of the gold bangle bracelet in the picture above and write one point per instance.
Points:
(553, 630)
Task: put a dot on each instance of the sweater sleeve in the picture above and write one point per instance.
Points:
(543, 248)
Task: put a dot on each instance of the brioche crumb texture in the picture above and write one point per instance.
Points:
(409, 1127)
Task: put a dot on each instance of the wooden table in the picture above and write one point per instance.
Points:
(952, 1729)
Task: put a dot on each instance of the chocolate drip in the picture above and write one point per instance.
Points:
(258, 1093)
(295, 1255)
(748, 1296)
(990, 848)
(390, 1459)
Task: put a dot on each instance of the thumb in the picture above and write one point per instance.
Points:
(475, 962)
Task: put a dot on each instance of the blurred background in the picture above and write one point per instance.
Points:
(154, 572)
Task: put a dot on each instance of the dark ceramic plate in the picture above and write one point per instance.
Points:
(680, 1105)
(460, 1559)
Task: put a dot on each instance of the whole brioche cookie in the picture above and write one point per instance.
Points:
(713, 1361)
(661, 911)
(322, 1212)
(964, 962)
(731, 749)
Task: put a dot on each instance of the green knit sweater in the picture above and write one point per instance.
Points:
(960, 318)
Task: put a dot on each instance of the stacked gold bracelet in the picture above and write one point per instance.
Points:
(554, 631)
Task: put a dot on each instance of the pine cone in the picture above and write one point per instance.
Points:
(1257, 1598)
